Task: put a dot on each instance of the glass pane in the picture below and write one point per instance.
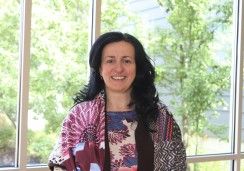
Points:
(191, 44)
(207, 166)
(9, 70)
(58, 69)
(242, 129)
(242, 165)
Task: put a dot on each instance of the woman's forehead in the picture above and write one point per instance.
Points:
(118, 47)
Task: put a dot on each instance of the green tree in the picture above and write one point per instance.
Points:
(58, 58)
(9, 27)
(189, 72)
(196, 85)
(58, 67)
(7, 133)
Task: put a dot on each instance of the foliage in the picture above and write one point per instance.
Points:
(39, 146)
(216, 165)
(58, 65)
(59, 52)
(189, 71)
(9, 25)
(7, 133)
(116, 17)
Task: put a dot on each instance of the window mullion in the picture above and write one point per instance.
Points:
(239, 84)
(95, 25)
(24, 53)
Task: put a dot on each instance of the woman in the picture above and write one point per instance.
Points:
(118, 122)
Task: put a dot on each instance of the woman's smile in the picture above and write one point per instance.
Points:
(118, 68)
(118, 77)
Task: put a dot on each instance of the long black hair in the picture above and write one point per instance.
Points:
(144, 95)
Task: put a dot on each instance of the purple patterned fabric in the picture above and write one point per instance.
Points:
(81, 143)
(83, 126)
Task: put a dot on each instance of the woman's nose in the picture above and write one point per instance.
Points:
(119, 67)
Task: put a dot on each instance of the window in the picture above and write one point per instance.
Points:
(196, 47)
(185, 41)
(53, 43)
(9, 70)
(193, 46)
(58, 68)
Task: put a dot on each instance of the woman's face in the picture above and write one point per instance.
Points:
(118, 67)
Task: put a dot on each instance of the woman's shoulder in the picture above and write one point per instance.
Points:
(163, 110)
(170, 151)
(97, 102)
(167, 123)
(86, 111)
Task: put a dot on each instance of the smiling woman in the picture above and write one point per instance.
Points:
(197, 48)
(118, 68)
(118, 121)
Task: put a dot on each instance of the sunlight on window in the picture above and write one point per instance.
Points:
(58, 69)
(191, 44)
(9, 70)
(216, 165)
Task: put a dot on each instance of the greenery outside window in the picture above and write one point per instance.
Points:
(196, 47)
(9, 70)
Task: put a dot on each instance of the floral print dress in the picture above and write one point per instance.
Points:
(121, 135)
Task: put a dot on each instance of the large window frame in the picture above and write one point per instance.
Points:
(236, 95)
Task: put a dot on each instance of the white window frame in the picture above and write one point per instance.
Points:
(236, 94)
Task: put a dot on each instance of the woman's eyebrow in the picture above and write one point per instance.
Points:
(124, 57)
(109, 57)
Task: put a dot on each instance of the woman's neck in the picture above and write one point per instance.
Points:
(118, 102)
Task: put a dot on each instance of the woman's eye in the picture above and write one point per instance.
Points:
(109, 61)
(127, 61)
